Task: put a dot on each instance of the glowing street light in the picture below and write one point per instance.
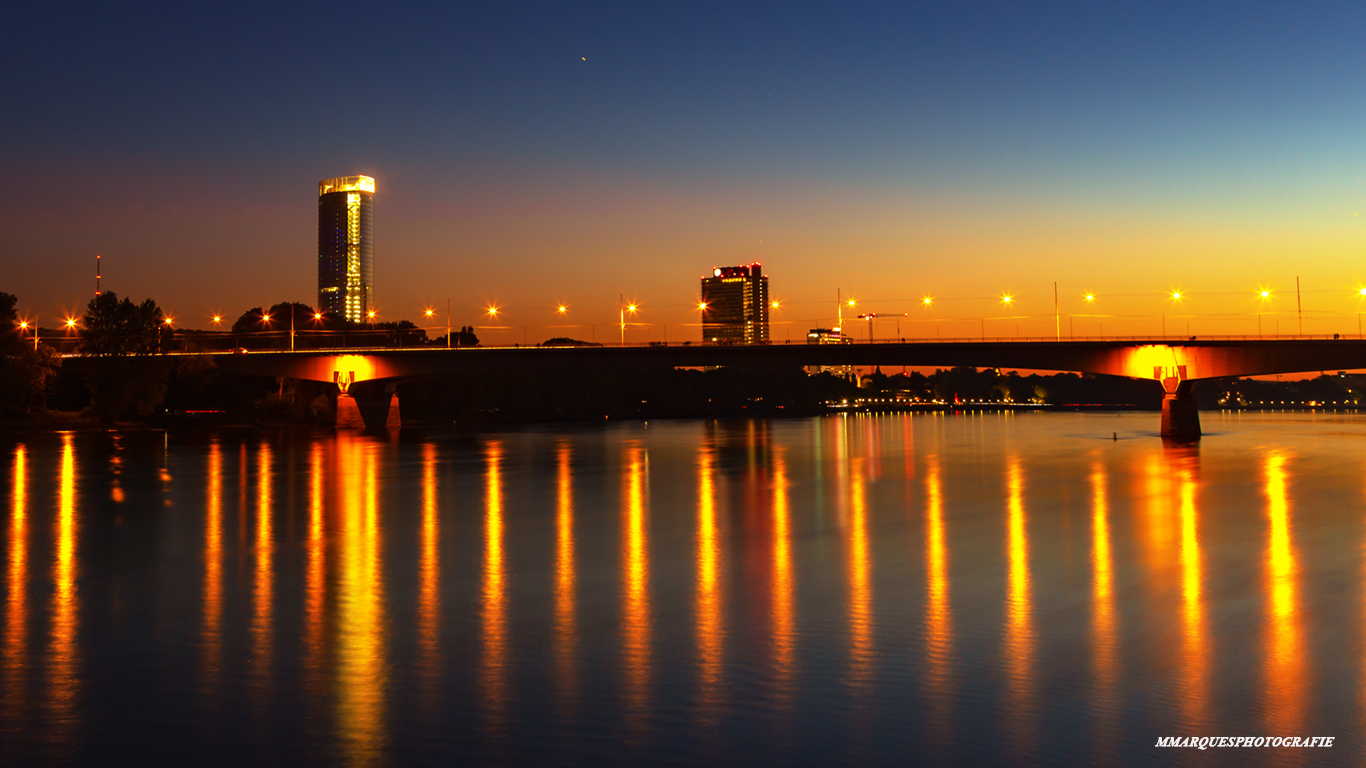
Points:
(23, 325)
(630, 307)
(428, 313)
(561, 309)
(1090, 297)
(851, 302)
(927, 301)
(1266, 294)
(370, 314)
(217, 319)
(702, 305)
(1176, 295)
(775, 305)
(317, 315)
(493, 312)
(1006, 299)
(71, 322)
(168, 321)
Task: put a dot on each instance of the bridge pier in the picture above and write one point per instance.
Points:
(375, 401)
(1180, 419)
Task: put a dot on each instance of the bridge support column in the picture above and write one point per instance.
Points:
(1180, 419)
(375, 401)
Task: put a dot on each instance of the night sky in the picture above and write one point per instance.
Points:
(529, 154)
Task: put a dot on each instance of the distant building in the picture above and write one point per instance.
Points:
(346, 247)
(829, 336)
(735, 305)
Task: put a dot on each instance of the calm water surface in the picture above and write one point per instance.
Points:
(992, 589)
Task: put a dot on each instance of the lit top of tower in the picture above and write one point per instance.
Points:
(346, 184)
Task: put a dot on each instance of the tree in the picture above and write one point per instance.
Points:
(113, 327)
(24, 370)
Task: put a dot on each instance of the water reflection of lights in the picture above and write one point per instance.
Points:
(12, 700)
(1019, 636)
(860, 578)
(938, 611)
(361, 673)
(62, 680)
(429, 570)
(1285, 684)
(1195, 651)
(1104, 654)
(566, 631)
(636, 632)
(494, 607)
(784, 644)
(315, 574)
(262, 598)
(708, 606)
(211, 638)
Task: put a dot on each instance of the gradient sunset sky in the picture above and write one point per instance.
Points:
(531, 154)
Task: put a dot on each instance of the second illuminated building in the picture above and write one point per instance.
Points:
(735, 305)
(346, 247)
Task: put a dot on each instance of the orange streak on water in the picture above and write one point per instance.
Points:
(262, 629)
(784, 642)
(859, 578)
(1194, 686)
(1019, 626)
(566, 630)
(62, 680)
(708, 605)
(315, 574)
(211, 639)
(1286, 688)
(938, 611)
(429, 571)
(636, 632)
(494, 597)
(13, 699)
(1104, 633)
(361, 654)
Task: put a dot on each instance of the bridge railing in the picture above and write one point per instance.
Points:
(275, 342)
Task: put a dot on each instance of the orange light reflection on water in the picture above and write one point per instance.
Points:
(429, 570)
(636, 632)
(1285, 674)
(860, 579)
(708, 605)
(784, 644)
(494, 607)
(566, 631)
(211, 638)
(315, 575)
(361, 655)
(938, 611)
(1019, 628)
(1104, 633)
(62, 681)
(1195, 643)
(14, 698)
(261, 623)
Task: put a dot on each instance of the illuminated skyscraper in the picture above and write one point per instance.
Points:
(346, 247)
(735, 305)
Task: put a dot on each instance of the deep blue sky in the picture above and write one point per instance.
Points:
(529, 153)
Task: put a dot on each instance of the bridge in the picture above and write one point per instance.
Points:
(371, 376)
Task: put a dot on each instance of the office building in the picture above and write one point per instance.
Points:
(346, 247)
(735, 305)
(829, 336)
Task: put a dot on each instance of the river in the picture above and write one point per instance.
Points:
(988, 589)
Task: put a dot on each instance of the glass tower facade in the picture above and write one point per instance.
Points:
(346, 247)
(735, 305)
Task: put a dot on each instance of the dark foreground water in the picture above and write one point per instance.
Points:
(988, 589)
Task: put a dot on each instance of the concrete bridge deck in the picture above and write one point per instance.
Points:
(370, 375)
